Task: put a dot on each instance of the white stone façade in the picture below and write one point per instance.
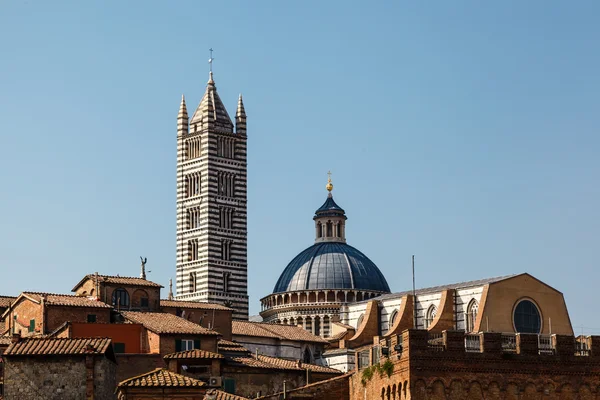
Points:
(211, 245)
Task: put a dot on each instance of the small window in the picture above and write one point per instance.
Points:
(187, 344)
(119, 347)
(527, 317)
(31, 325)
(144, 302)
(91, 318)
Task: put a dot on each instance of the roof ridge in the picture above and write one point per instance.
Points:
(141, 375)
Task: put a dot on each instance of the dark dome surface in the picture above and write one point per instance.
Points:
(331, 265)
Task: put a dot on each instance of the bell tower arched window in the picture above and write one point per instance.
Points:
(472, 310)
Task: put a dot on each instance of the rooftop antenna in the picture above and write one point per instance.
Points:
(414, 292)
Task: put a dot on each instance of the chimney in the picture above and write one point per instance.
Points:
(16, 337)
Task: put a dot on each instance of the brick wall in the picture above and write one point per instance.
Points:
(57, 315)
(219, 321)
(128, 334)
(424, 371)
(130, 365)
(25, 311)
(335, 388)
(167, 342)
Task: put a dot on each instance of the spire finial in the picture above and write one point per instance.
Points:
(329, 186)
(210, 63)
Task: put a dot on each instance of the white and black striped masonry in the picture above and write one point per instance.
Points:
(211, 204)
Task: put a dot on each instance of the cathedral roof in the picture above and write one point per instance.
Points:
(331, 265)
(211, 109)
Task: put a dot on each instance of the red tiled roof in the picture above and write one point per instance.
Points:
(221, 395)
(119, 280)
(58, 346)
(193, 354)
(161, 377)
(6, 301)
(193, 304)
(165, 323)
(226, 345)
(68, 300)
(267, 362)
(283, 332)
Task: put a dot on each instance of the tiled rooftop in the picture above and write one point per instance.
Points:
(165, 323)
(68, 300)
(119, 280)
(262, 361)
(161, 377)
(227, 346)
(58, 346)
(283, 332)
(433, 289)
(221, 395)
(193, 304)
(6, 301)
(193, 354)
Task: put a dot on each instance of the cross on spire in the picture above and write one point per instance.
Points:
(211, 59)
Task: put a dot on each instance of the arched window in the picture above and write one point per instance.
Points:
(319, 230)
(120, 298)
(527, 317)
(307, 356)
(430, 316)
(329, 229)
(392, 319)
(192, 282)
(360, 321)
(472, 315)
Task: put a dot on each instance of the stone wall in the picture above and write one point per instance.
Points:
(250, 381)
(334, 388)
(52, 377)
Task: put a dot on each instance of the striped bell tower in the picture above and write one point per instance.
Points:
(211, 204)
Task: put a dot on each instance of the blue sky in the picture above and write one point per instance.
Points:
(465, 133)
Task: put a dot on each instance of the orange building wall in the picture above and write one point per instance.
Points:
(130, 334)
(500, 298)
(58, 315)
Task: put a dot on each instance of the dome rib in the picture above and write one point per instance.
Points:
(331, 265)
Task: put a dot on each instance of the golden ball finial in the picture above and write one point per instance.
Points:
(329, 186)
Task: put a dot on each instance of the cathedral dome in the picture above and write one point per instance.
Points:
(331, 265)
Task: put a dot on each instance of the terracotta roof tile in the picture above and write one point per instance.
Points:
(6, 301)
(5, 340)
(119, 280)
(58, 346)
(193, 354)
(267, 362)
(227, 346)
(284, 332)
(68, 300)
(165, 323)
(161, 377)
(193, 304)
(221, 395)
